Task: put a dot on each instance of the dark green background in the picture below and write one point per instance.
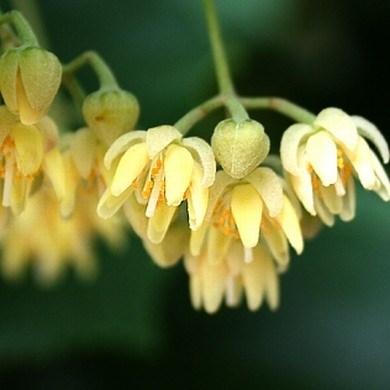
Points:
(135, 324)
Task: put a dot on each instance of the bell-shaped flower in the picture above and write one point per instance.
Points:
(22, 150)
(323, 158)
(162, 170)
(231, 278)
(254, 209)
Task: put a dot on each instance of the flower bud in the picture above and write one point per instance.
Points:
(110, 113)
(240, 147)
(29, 80)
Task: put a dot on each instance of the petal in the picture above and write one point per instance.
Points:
(303, 188)
(29, 148)
(276, 241)
(361, 161)
(171, 249)
(206, 158)
(222, 181)
(322, 155)
(218, 245)
(158, 225)
(234, 290)
(109, 204)
(340, 125)
(213, 285)
(371, 132)
(122, 144)
(331, 200)
(135, 214)
(83, 148)
(269, 186)
(289, 223)
(323, 212)
(130, 166)
(384, 188)
(7, 122)
(196, 291)
(291, 140)
(178, 167)
(158, 138)
(197, 198)
(247, 208)
(55, 170)
(197, 239)
(349, 202)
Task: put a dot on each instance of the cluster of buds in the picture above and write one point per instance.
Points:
(226, 208)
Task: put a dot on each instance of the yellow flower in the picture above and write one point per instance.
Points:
(161, 169)
(321, 160)
(22, 150)
(210, 283)
(29, 80)
(42, 239)
(248, 210)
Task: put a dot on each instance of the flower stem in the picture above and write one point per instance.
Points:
(103, 72)
(226, 87)
(280, 105)
(22, 27)
(186, 122)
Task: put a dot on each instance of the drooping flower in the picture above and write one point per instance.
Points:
(162, 170)
(232, 278)
(249, 210)
(322, 160)
(22, 151)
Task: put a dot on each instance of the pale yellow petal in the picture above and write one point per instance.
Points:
(130, 166)
(29, 148)
(196, 291)
(83, 150)
(349, 202)
(384, 183)
(213, 285)
(55, 170)
(158, 138)
(234, 291)
(269, 186)
(197, 200)
(135, 214)
(322, 155)
(158, 224)
(123, 143)
(197, 239)
(205, 156)
(331, 200)
(340, 125)
(171, 249)
(289, 223)
(247, 208)
(7, 122)
(109, 204)
(276, 241)
(361, 161)
(218, 245)
(369, 131)
(323, 212)
(178, 168)
(291, 140)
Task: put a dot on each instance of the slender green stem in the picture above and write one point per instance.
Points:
(226, 87)
(185, 123)
(280, 105)
(22, 27)
(103, 72)
(74, 88)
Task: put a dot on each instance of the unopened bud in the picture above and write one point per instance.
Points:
(110, 113)
(29, 80)
(240, 147)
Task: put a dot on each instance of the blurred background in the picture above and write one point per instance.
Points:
(135, 324)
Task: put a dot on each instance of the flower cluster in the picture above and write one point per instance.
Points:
(226, 208)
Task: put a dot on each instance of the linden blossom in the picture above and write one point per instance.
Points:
(161, 169)
(322, 158)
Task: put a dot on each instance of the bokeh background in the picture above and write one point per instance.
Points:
(135, 324)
